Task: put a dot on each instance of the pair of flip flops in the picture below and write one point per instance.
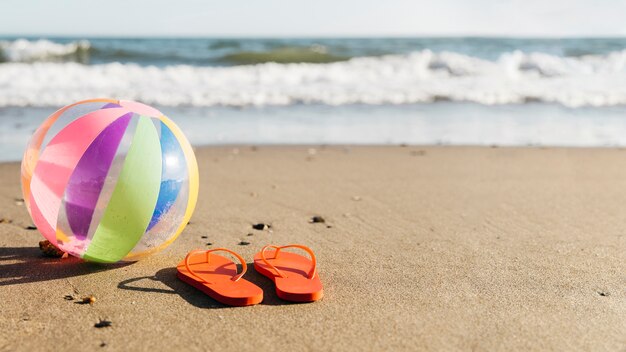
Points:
(294, 275)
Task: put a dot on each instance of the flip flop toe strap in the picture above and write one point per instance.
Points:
(311, 273)
(244, 266)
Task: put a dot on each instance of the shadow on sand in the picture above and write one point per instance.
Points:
(195, 297)
(20, 265)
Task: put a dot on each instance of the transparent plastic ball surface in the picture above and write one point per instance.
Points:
(108, 180)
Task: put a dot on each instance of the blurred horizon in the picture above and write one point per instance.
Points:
(325, 18)
(373, 36)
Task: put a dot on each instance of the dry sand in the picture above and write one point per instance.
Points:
(446, 249)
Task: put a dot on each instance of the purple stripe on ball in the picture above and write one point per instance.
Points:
(87, 180)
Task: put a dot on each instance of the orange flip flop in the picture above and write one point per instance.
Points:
(295, 276)
(217, 276)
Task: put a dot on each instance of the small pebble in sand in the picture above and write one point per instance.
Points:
(204, 236)
(274, 186)
(68, 297)
(103, 344)
(103, 324)
(317, 219)
(87, 300)
(261, 226)
(209, 244)
(19, 201)
(5, 221)
(31, 227)
(603, 294)
(250, 234)
(244, 243)
(253, 194)
(49, 250)
(329, 226)
(356, 198)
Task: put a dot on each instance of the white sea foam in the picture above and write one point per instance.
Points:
(22, 50)
(420, 77)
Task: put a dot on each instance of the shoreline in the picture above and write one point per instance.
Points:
(438, 124)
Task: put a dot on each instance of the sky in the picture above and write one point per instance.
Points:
(294, 18)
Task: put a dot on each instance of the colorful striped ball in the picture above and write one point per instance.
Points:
(108, 180)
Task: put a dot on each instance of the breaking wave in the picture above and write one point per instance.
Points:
(22, 50)
(419, 77)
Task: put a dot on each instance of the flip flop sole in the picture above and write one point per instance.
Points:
(217, 282)
(297, 287)
(231, 301)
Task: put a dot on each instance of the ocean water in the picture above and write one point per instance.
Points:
(478, 91)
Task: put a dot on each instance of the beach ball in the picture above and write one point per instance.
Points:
(108, 180)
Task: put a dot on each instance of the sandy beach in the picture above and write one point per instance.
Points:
(424, 248)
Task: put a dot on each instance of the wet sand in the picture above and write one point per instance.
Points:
(429, 248)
